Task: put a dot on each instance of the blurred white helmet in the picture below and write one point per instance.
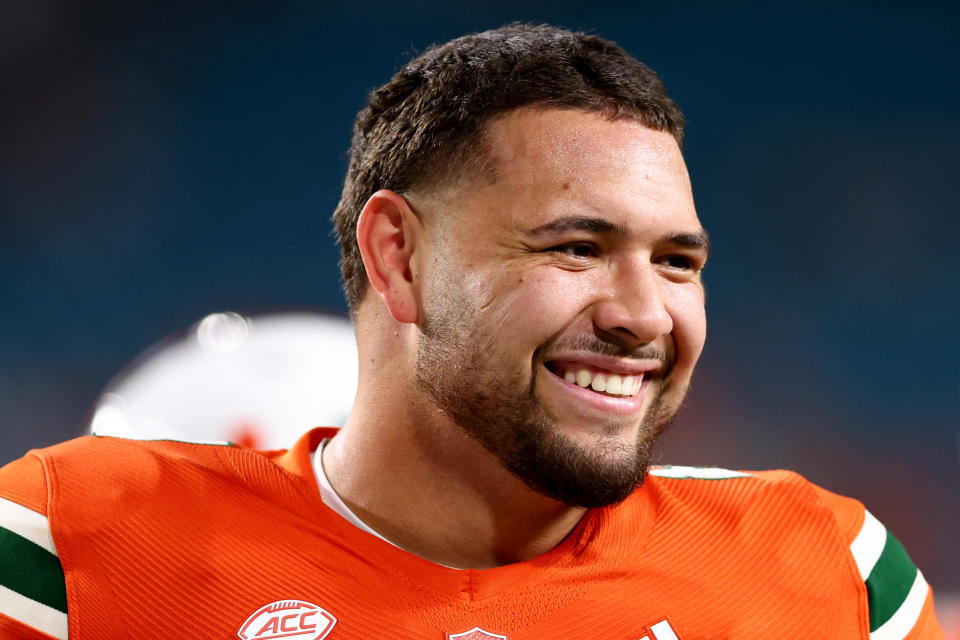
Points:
(258, 381)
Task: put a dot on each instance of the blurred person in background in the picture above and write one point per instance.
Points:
(523, 262)
(253, 380)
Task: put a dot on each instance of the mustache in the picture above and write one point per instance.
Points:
(595, 344)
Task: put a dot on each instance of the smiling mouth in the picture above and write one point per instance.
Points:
(600, 381)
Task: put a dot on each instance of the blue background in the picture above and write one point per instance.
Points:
(162, 161)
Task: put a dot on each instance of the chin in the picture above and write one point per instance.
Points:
(605, 440)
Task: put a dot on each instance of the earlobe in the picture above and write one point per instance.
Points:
(387, 235)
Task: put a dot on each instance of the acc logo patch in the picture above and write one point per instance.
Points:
(475, 634)
(292, 619)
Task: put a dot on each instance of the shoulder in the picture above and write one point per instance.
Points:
(97, 458)
(81, 480)
(117, 470)
(765, 514)
(35, 482)
(807, 521)
(732, 492)
(752, 491)
(900, 602)
(57, 503)
(33, 599)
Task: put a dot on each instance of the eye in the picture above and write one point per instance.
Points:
(576, 249)
(677, 261)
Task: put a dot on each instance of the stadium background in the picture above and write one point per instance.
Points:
(163, 160)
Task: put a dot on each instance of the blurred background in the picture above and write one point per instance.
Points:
(160, 161)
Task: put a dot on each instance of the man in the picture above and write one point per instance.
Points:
(523, 263)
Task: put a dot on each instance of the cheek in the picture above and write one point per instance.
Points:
(689, 323)
(528, 307)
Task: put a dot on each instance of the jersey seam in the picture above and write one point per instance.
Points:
(863, 614)
(49, 479)
(26, 498)
(74, 619)
(47, 491)
(299, 484)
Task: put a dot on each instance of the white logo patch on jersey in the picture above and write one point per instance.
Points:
(662, 631)
(475, 634)
(289, 619)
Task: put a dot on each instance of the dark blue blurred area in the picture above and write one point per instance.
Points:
(160, 161)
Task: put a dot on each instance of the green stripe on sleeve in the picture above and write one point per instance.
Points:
(889, 582)
(32, 571)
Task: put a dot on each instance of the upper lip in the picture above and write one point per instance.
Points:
(613, 364)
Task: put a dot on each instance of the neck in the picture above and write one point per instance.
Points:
(422, 483)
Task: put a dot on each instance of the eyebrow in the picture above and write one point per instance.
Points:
(578, 223)
(699, 240)
(696, 240)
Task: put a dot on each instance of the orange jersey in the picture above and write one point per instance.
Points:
(110, 538)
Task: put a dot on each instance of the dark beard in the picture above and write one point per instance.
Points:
(455, 368)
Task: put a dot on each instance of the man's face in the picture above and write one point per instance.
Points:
(564, 308)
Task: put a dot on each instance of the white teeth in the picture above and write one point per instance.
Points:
(615, 385)
(583, 378)
(599, 382)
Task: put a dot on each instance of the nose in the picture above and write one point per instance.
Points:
(633, 308)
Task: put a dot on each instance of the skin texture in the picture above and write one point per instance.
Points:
(466, 447)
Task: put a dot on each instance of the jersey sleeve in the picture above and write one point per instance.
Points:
(33, 598)
(899, 599)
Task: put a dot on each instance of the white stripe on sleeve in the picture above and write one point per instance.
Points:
(26, 523)
(868, 545)
(33, 614)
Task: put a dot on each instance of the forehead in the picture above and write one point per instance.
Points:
(546, 160)
(561, 137)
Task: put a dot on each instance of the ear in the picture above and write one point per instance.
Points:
(387, 234)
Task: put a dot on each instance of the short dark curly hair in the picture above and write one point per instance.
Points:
(427, 125)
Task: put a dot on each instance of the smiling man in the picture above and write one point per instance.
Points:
(523, 262)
